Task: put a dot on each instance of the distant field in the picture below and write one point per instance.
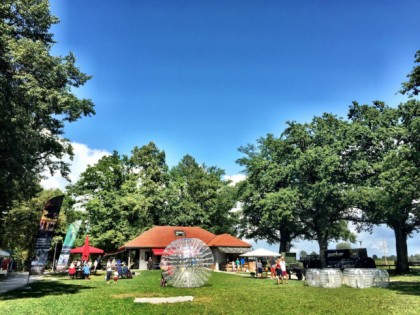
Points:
(224, 294)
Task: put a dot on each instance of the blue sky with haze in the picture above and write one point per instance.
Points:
(206, 77)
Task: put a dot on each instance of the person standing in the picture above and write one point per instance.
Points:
(242, 264)
(283, 271)
(108, 271)
(115, 276)
(237, 264)
(273, 270)
(259, 269)
(150, 264)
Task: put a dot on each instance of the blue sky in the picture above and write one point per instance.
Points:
(206, 77)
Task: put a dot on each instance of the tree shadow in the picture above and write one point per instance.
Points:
(44, 288)
(405, 287)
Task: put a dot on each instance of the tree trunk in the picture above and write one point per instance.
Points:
(401, 248)
(284, 246)
(285, 241)
(323, 246)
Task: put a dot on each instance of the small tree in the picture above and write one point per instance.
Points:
(343, 245)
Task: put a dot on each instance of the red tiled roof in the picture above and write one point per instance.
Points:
(227, 240)
(162, 236)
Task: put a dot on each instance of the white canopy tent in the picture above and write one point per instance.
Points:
(261, 252)
(4, 254)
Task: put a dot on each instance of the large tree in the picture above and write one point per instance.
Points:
(122, 196)
(385, 169)
(198, 196)
(268, 203)
(295, 184)
(98, 194)
(36, 99)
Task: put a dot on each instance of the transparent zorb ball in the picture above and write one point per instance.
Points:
(186, 263)
(380, 278)
(312, 277)
(330, 278)
(358, 277)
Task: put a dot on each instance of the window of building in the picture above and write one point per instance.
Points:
(179, 233)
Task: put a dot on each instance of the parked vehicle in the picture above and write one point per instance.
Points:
(340, 258)
(293, 266)
(348, 258)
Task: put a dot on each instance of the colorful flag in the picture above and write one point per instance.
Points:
(67, 245)
(45, 233)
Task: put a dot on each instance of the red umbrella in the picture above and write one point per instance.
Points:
(85, 253)
(86, 250)
(92, 250)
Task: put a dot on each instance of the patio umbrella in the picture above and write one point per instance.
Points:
(85, 253)
(92, 250)
(86, 250)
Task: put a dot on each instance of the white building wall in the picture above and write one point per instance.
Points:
(219, 258)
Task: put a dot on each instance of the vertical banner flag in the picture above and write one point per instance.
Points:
(67, 245)
(45, 233)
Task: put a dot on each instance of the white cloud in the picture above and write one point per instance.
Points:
(235, 178)
(83, 156)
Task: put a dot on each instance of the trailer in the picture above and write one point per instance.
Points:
(348, 258)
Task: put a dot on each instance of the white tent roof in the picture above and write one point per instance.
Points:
(4, 254)
(261, 252)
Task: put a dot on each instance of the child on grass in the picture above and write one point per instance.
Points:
(115, 276)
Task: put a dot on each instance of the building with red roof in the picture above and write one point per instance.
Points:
(152, 242)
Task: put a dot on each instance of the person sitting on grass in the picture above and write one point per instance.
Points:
(86, 271)
(72, 271)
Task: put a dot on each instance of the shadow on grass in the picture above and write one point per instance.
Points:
(409, 284)
(405, 287)
(41, 289)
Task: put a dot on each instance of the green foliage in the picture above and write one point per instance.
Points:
(343, 245)
(36, 99)
(295, 184)
(385, 168)
(124, 196)
(412, 86)
(197, 196)
(21, 225)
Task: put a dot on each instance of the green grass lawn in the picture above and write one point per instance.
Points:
(223, 294)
